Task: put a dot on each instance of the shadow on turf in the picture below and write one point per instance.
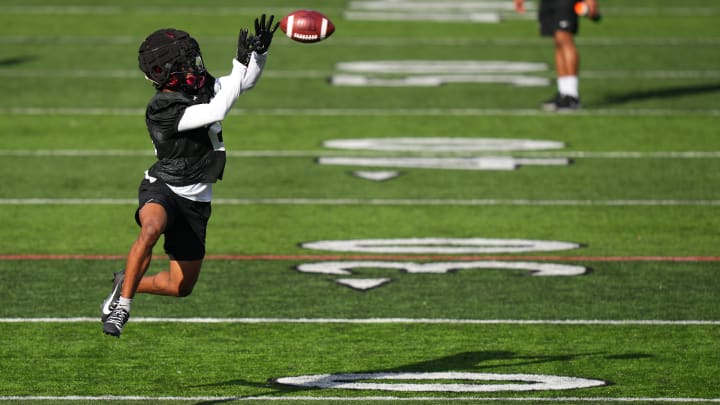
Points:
(466, 361)
(484, 360)
(18, 60)
(668, 92)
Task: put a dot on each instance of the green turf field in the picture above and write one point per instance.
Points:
(593, 261)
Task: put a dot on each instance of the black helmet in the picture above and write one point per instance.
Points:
(168, 51)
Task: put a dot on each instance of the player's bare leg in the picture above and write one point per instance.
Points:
(153, 220)
(177, 282)
(567, 63)
(567, 60)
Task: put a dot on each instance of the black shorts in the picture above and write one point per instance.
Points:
(557, 15)
(187, 220)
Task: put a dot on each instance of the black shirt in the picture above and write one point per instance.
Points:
(184, 157)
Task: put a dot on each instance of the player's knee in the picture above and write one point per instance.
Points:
(154, 228)
(150, 232)
(564, 38)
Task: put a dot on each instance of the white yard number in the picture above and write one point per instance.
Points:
(416, 382)
(435, 246)
(536, 269)
(443, 145)
(440, 245)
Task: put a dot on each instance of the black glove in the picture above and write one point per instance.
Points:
(246, 44)
(264, 33)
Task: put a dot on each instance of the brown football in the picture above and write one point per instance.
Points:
(307, 26)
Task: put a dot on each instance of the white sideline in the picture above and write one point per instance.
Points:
(605, 322)
(352, 399)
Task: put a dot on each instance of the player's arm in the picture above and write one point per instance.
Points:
(247, 68)
(253, 71)
(228, 89)
(259, 44)
(257, 47)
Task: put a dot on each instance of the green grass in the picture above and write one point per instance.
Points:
(278, 229)
(640, 197)
(243, 288)
(236, 360)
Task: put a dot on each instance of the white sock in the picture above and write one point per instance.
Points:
(568, 86)
(124, 303)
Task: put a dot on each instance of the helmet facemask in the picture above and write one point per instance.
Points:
(171, 59)
(189, 77)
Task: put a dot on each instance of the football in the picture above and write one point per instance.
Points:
(307, 26)
(581, 8)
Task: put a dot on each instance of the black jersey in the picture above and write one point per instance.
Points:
(186, 157)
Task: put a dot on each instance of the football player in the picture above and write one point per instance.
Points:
(559, 20)
(183, 120)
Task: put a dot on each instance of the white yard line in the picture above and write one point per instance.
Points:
(324, 74)
(362, 112)
(209, 399)
(663, 42)
(268, 74)
(316, 153)
(686, 11)
(381, 201)
(602, 322)
(238, 10)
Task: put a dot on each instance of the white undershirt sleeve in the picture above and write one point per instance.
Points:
(227, 90)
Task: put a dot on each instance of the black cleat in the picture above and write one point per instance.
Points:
(563, 103)
(112, 300)
(115, 322)
(550, 104)
(568, 103)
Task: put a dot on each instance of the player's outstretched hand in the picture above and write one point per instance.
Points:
(264, 33)
(246, 44)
